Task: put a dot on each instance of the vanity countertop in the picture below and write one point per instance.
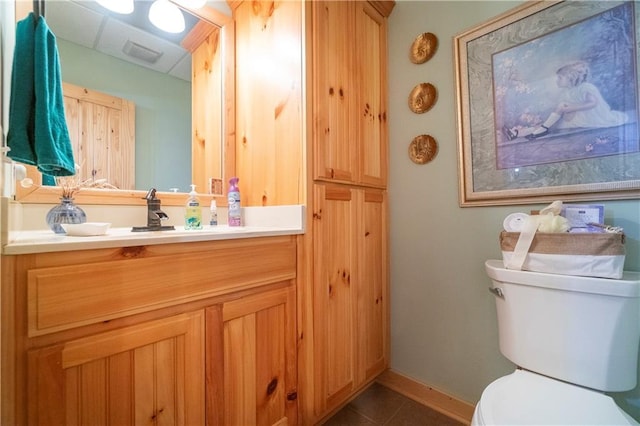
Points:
(260, 222)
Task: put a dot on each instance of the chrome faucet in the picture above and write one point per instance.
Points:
(155, 216)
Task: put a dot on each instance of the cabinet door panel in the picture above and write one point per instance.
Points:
(372, 288)
(335, 137)
(122, 400)
(371, 109)
(157, 381)
(259, 359)
(271, 369)
(92, 398)
(350, 290)
(349, 93)
(333, 293)
(240, 371)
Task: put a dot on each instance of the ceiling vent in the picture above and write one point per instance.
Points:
(141, 52)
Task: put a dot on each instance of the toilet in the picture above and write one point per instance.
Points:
(572, 339)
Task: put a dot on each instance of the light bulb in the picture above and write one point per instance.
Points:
(166, 16)
(123, 7)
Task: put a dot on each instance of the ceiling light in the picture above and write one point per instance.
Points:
(166, 16)
(123, 7)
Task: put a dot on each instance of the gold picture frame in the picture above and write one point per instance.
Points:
(508, 71)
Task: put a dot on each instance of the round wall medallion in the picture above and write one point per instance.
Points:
(422, 149)
(423, 48)
(422, 98)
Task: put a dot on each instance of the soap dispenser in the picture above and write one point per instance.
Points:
(193, 213)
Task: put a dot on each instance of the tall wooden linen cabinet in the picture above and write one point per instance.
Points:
(311, 98)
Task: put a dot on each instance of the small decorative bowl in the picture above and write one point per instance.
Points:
(423, 48)
(87, 229)
(422, 98)
(422, 149)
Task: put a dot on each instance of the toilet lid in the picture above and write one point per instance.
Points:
(528, 398)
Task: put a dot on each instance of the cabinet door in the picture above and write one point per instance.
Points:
(350, 290)
(151, 373)
(334, 293)
(334, 92)
(349, 93)
(102, 131)
(257, 348)
(373, 288)
(371, 75)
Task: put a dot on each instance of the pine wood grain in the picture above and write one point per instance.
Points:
(63, 297)
(207, 150)
(152, 372)
(102, 132)
(269, 150)
(424, 394)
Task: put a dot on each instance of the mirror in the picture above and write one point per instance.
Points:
(167, 135)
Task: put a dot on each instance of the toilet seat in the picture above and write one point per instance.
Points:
(524, 397)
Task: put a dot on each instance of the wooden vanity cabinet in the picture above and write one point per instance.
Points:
(187, 333)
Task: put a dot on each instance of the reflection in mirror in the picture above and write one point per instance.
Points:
(128, 59)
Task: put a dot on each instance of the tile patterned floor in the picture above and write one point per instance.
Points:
(380, 406)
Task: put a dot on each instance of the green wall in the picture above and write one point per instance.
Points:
(443, 320)
(163, 112)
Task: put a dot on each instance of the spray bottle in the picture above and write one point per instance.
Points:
(235, 214)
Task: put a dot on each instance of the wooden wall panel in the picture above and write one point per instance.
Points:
(207, 115)
(269, 115)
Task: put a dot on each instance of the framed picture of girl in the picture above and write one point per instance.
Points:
(547, 98)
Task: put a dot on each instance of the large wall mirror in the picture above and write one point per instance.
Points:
(181, 86)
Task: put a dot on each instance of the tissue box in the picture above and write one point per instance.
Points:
(589, 255)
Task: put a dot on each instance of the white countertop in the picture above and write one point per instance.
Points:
(261, 222)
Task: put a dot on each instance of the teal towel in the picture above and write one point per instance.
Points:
(38, 132)
(22, 102)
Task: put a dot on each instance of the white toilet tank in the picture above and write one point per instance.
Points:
(581, 330)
